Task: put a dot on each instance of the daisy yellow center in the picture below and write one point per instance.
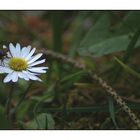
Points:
(18, 64)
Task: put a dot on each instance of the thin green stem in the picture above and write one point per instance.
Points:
(21, 100)
(8, 105)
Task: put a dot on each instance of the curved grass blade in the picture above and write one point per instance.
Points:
(112, 111)
(127, 68)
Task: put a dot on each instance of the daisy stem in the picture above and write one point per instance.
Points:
(21, 100)
(8, 105)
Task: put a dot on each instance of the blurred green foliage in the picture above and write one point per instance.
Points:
(104, 38)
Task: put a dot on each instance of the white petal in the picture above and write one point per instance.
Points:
(8, 54)
(15, 77)
(4, 47)
(25, 51)
(1, 69)
(37, 62)
(20, 74)
(30, 54)
(35, 58)
(6, 70)
(33, 77)
(18, 50)
(12, 50)
(5, 62)
(38, 69)
(25, 76)
(8, 78)
(33, 73)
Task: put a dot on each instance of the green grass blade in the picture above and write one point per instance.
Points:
(112, 111)
(128, 69)
(73, 76)
(101, 108)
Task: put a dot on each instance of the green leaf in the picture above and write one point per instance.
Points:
(100, 40)
(98, 33)
(79, 27)
(45, 121)
(110, 45)
(128, 69)
(50, 122)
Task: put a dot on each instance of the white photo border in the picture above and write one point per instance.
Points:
(70, 5)
(69, 135)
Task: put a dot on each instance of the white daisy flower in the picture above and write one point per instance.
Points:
(20, 63)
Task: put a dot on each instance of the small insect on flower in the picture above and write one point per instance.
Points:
(2, 54)
(20, 63)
